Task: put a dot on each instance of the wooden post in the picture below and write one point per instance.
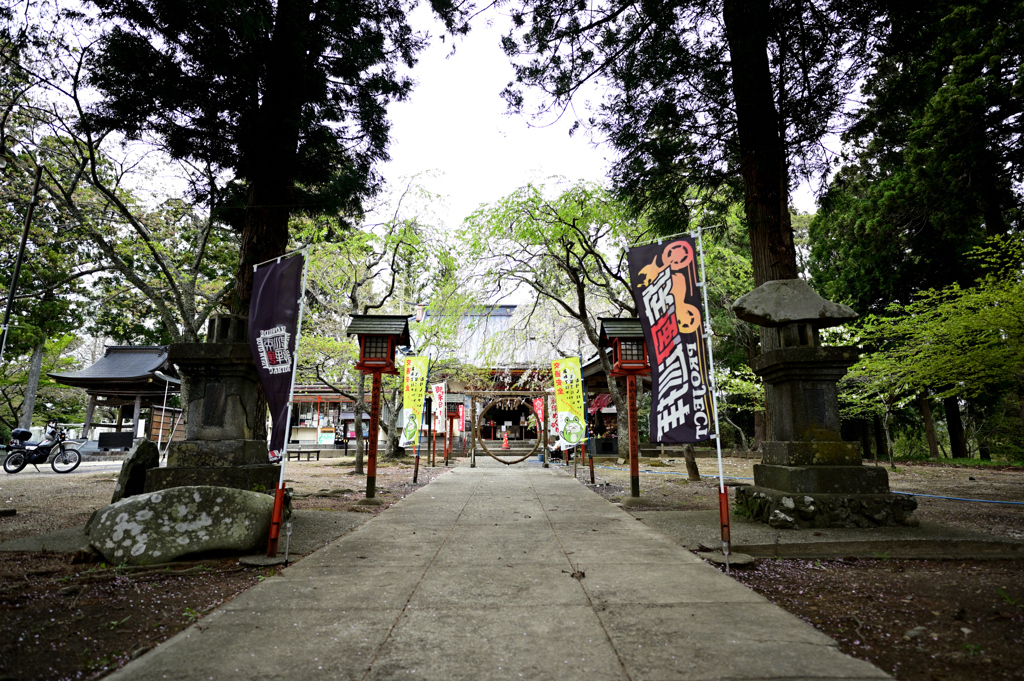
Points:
(87, 425)
(547, 419)
(472, 430)
(136, 415)
(591, 458)
(371, 449)
(634, 438)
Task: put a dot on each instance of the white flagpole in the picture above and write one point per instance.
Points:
(708, 333)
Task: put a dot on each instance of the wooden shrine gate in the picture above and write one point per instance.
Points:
(510, 399)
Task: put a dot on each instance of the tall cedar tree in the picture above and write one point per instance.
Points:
(703, 93)
(936, 165)
(290, 96)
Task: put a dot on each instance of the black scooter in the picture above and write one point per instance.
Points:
(21, 452)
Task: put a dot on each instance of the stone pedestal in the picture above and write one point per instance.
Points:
(809, 477)
(220, 383)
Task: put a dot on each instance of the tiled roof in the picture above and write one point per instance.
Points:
(627, 327)
(380, 325)
(119, 364)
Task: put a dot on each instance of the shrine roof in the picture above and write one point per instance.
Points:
(120, 365)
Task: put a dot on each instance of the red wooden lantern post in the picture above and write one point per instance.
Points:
(625, 338)
(379, 338)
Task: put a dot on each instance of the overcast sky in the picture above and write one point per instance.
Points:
(455, 123)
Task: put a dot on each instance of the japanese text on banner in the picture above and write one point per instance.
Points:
(572, 422)
(664, 284)
(413, 393)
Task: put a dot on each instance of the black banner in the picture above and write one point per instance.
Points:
(273, 322)
(663, 278)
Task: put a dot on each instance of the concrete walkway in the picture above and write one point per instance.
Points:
(471, 578)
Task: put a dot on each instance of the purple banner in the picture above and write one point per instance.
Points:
(663, 279)
(273, 322)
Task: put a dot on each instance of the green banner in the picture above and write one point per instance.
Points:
(413, 392)
(572, 423)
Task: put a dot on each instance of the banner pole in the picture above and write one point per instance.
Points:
(275, 518)
(723, 496)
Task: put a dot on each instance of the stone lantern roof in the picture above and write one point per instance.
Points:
(790, 301)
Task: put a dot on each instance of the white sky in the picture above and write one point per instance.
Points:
(455, 123)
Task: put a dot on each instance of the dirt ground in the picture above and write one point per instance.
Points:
(60, 620)
(914, 619)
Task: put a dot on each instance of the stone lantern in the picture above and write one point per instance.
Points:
(808, 476)
(224, 443)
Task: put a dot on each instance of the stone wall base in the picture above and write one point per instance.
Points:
(261, 478)
(786, 510)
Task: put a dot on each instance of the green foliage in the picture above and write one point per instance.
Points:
(565, 245)
(967, 340)
(935, 166)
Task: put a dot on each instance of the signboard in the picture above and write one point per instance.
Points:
(414, 391)
(273, 325)
(462, 418)
(663, 279)
(572, 423)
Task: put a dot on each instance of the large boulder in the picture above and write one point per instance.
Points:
(141, 457)
(159, 527)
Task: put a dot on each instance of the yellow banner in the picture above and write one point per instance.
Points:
(413, 391)
(572, 423)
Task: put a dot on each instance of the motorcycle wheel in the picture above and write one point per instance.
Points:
(66, 461)
(15, 462)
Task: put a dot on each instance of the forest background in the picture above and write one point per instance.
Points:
(159, 180)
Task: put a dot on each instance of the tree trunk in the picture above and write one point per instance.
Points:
(622, 421)
(357, 422)
(763, 162)
(760, 429)
(760, 423)
(888, 436)
(762, 151)
(880, 446)
(977, 413)
(691, 464)
(955, 426)
(392, 449)
(929, 426)
(28, 406)
(269, 165)
(743, 436)
(865, 439)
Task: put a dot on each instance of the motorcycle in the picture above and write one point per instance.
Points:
(21, 452)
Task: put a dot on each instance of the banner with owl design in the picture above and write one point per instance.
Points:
(664, 280)
(414, 391)
(572, 422)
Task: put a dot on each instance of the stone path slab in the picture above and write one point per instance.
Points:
(472, 578)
